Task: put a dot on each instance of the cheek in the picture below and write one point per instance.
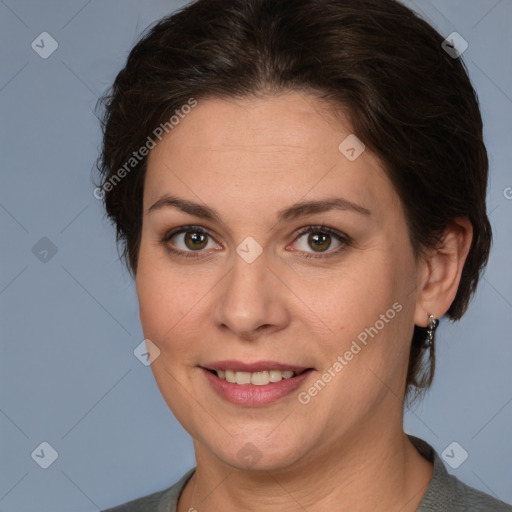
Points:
(353, 297)
(171, 302)
(367, 310)
(160, 306)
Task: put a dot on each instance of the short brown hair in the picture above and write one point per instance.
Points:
(407, 99)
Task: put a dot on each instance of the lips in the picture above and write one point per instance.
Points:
(255, 378)
(254, 384)
(259, 373)
(258, 366)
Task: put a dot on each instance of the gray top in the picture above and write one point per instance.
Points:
(446, 493)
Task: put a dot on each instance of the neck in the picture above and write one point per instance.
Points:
(382, 473)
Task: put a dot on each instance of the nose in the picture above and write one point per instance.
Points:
(251, 301)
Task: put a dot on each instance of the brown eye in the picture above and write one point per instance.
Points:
(319, 241)
(189, 241)
(195, 241)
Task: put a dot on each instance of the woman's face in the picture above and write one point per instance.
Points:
(262, 284)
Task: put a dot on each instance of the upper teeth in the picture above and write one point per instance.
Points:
(256, 378)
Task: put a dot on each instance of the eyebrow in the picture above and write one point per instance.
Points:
(294, 211)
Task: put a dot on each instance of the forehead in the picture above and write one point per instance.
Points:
(262, 152)
(288, 122)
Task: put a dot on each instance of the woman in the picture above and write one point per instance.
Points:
(300, 190)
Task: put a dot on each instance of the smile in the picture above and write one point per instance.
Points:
(261, 378)
(254, 384)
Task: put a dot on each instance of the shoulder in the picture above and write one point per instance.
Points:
(478, 501)
(147, 503)
(446, 493)
(165, 499)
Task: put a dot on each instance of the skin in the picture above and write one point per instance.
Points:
(248, 159)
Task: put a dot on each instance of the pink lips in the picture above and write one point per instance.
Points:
(258, 366)
(249, 395)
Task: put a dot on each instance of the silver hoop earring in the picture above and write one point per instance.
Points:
(433, 322)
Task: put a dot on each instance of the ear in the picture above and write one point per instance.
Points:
(442, 270)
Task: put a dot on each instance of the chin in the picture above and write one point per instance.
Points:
(260, 453)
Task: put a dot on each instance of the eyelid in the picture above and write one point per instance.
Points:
(323, 229)
(184, 229)
(342, 237)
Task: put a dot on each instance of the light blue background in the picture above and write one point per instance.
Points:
(68, 375)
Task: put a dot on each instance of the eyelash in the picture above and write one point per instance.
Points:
(345, 240)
